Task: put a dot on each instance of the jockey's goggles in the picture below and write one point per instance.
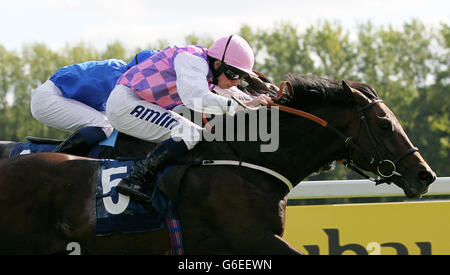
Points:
(233, 73)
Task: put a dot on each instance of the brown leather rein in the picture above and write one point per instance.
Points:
(349, 144)
(293, 110)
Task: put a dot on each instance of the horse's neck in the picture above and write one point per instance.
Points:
(305, 146)
(313, 150)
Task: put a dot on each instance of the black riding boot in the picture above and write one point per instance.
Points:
(75, 144)
(81, 141)
(145, 169)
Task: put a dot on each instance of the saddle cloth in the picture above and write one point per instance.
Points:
(117, 213)
(26, 148)
(30, 147)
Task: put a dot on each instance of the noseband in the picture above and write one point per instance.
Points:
(385, 168)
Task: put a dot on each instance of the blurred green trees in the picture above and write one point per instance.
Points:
(408, 66)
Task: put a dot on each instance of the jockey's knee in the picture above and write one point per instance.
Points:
(108, 130)
(189, 133)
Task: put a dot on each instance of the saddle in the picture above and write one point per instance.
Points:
(39, 140)
(104, 149)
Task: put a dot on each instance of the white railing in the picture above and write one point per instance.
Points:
(359, 188)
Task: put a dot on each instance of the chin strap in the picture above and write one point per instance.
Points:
(215, 73)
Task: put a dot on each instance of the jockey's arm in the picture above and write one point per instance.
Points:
(251, 101)
(193, 87)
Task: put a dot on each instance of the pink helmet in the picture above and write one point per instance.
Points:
(234, 51)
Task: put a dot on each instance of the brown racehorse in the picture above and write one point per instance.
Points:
(5, 148)
(47, 199)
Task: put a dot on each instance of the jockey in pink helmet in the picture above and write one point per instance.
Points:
(147, 95)
(235, 54)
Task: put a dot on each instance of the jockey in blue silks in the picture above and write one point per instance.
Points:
(74, 99)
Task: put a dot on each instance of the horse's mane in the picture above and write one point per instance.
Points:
(311, 90)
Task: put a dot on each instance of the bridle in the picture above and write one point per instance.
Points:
(385, 168)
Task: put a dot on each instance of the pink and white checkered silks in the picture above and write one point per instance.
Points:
(154, 80)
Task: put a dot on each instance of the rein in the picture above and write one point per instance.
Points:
(385, 167)
(294, 111)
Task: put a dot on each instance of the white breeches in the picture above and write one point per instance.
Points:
(132, 115)
(51, 108)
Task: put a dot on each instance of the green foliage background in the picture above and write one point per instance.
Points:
(408, 66)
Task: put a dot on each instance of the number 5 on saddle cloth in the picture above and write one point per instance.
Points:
(116, 213)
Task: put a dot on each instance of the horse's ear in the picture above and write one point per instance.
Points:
(355, 95)
(347, 89)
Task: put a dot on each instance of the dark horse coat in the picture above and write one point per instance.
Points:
(46, 199)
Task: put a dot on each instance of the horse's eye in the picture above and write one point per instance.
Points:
(385, 125)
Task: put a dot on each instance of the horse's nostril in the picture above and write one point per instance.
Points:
(427, 177)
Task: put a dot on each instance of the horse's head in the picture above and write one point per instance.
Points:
(374, 139)
(379, 144)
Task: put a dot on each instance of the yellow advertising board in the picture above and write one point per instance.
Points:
(414, 228)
